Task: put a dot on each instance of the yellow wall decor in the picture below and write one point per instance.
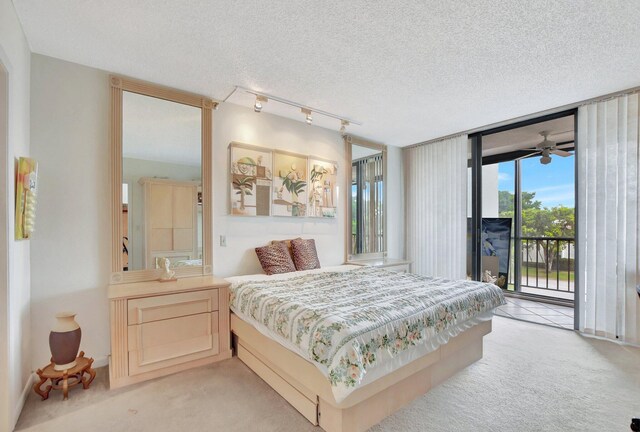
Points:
(26, 191)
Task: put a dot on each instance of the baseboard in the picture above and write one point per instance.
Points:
(615, 341)
(100, 362)
(23, 398)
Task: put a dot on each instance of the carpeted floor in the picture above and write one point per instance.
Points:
(532, 378)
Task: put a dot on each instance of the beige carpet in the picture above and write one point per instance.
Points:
(532, 378)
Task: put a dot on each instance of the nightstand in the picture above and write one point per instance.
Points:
(159, 328)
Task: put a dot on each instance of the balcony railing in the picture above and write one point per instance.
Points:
(548, 263)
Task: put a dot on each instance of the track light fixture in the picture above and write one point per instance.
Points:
(307, 113)
(257, 107)
(262, 98)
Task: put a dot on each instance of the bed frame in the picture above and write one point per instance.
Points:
(307, 390)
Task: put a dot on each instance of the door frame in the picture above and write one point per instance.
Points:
(5, 408)
(476, 199)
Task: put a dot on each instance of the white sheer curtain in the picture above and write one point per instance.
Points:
(436, 207)
(608, 165)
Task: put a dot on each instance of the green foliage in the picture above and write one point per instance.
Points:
(293, 183)
(244, 185)
(317, 174)
(506, 201)
(294, 186)
(537, 221)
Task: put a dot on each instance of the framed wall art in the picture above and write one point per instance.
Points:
(250, 180)
(323, 192)
(290, 188)
(26, 192)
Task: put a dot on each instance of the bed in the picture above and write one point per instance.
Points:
(349, 345)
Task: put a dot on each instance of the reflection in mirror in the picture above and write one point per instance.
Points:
(367, 200)
(161, 183)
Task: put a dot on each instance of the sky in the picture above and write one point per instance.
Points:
(553, 183)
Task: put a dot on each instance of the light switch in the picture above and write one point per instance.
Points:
(223, 241)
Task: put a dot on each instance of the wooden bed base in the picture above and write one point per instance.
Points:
(307, 390)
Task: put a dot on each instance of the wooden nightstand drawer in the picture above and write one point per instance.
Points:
(159, 328)
(149, 309)
(159, 344)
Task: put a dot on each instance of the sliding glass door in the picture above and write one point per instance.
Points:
(522, 216)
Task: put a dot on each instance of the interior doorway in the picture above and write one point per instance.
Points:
(523, 219)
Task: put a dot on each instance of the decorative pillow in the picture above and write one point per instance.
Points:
(305, 256)
(287, 243)
(275, 259)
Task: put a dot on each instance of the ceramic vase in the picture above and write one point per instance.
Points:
(64, 341)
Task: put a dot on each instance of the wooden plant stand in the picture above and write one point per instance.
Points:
(62, 380)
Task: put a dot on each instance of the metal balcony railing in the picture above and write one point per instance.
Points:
(548, 263)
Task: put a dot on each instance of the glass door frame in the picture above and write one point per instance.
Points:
(476, 163)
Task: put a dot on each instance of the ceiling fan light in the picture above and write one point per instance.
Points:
(545, 159)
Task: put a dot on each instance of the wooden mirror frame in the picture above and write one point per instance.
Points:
(350, 140)
(119, 85)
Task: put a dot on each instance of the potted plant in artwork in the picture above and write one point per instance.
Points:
(244, 187)
(295, 184)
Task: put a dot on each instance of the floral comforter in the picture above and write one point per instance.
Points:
(350, 322)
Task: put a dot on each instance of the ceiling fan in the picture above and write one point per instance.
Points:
(546, 148)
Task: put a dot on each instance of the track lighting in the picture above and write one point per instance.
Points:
(307, 112)
(257, 107)
(262, 98)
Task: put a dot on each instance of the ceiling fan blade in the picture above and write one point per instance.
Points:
(535, 152)
(562, 153)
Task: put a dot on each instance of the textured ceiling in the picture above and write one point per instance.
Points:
(409, 70)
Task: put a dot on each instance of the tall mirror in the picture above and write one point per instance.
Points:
(160, 182)
(367, 207)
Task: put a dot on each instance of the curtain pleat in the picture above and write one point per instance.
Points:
(608, 210)
(436, 207)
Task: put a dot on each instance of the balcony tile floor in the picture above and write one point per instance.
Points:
(536, 312)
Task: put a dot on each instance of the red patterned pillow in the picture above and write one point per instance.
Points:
(305, 256)
(275, 259)
(287, 243)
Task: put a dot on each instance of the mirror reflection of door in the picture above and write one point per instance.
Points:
(367, 200)
(162, 171)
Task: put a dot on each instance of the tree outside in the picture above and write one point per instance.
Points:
(538, 221)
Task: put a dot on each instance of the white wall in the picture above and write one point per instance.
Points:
(14, 289)
(71, 251)
(241, 124)
(4, 245)
(490, 196)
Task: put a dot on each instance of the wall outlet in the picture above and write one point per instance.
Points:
(223, 241)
